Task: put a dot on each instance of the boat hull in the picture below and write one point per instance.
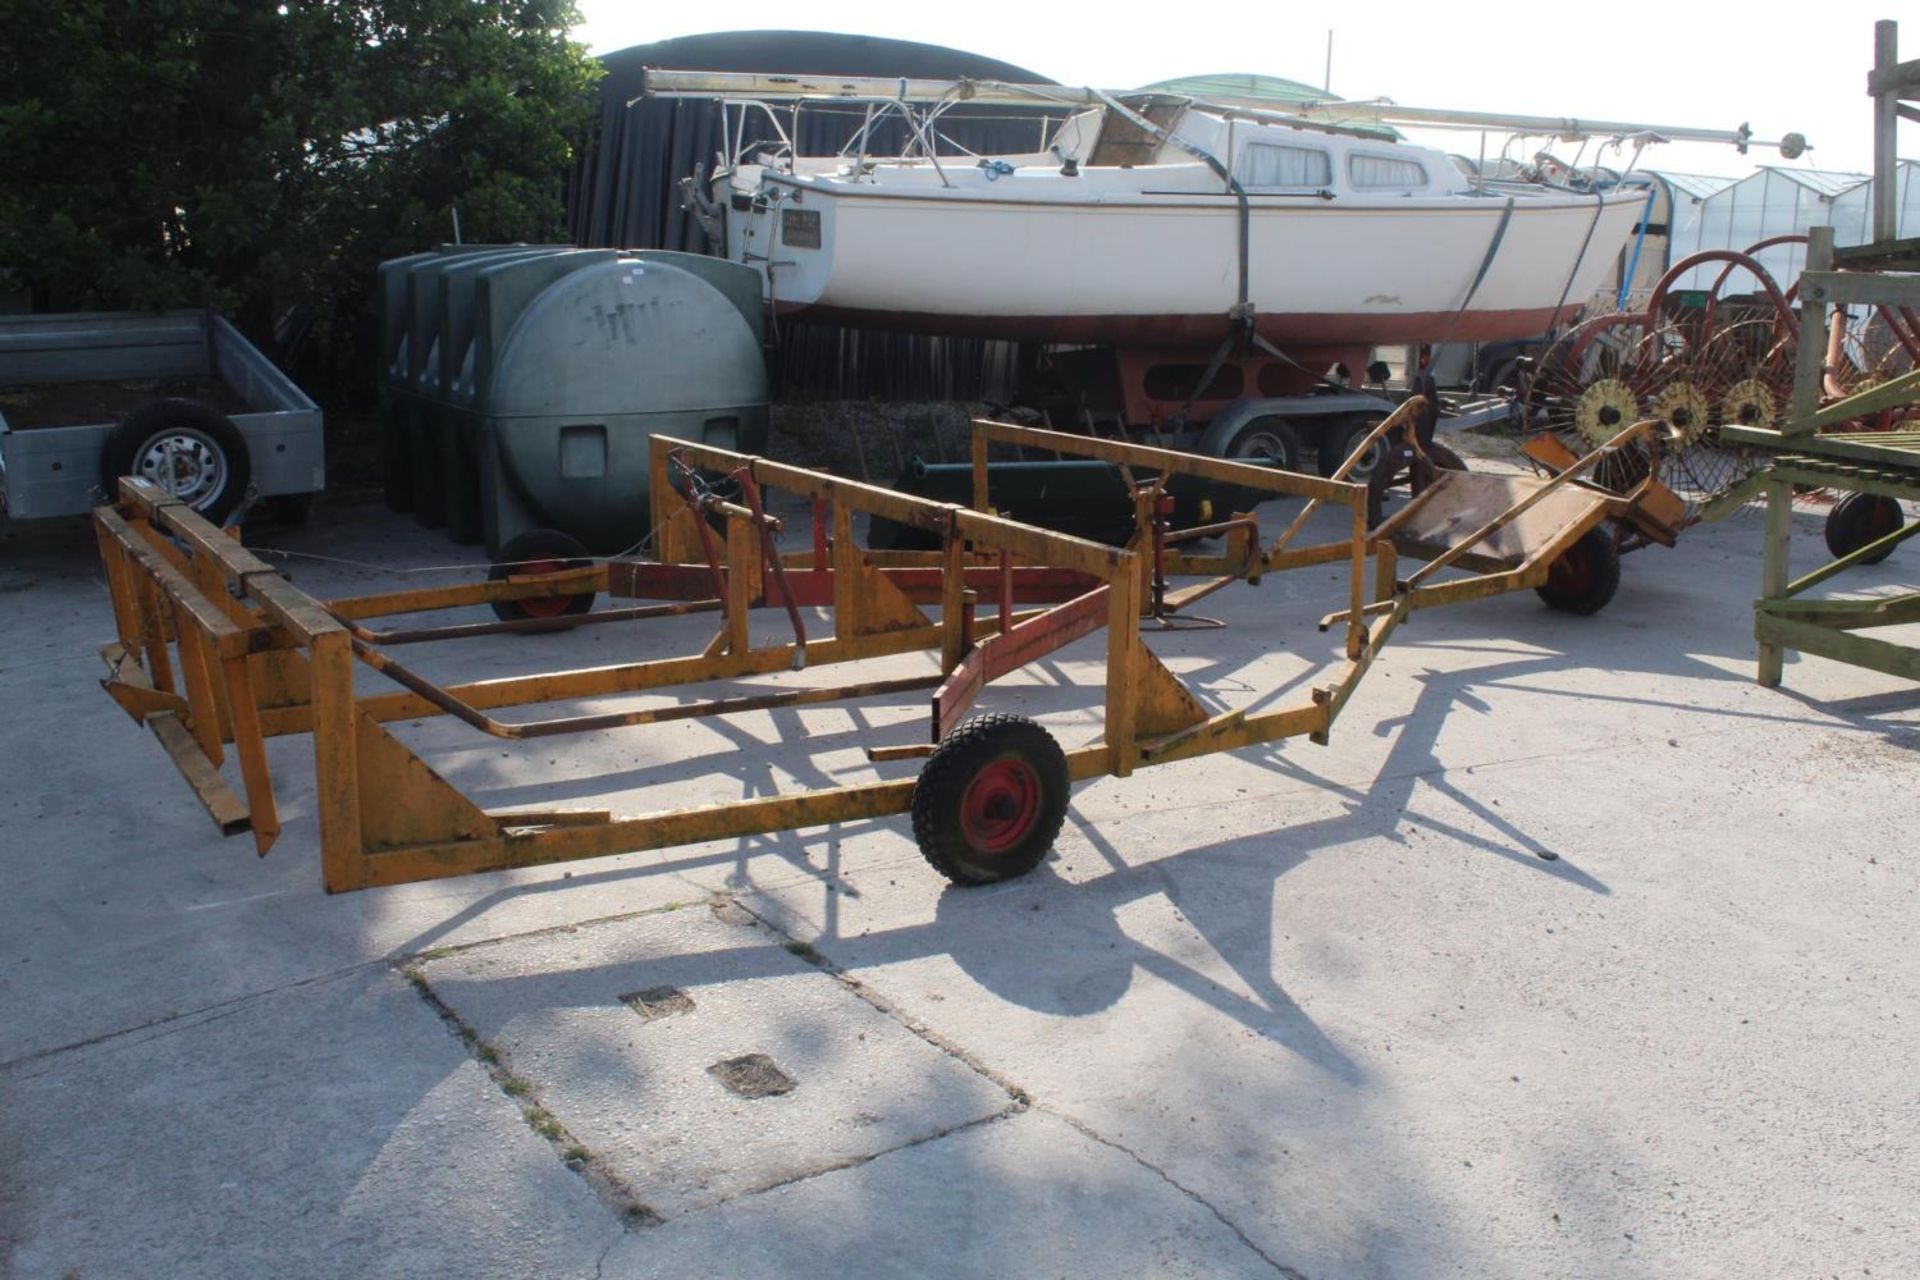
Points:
(1165, 271)
(1288, 330)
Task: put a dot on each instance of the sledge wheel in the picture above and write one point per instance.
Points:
(541, 551)
(1585, 576)
(1860, 518)
(990, 800)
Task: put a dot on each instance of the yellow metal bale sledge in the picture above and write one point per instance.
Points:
(217, 652)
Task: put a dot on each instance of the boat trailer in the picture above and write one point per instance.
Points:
(216, 651)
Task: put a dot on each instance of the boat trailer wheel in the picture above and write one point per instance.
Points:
(541, 551)
(990, 800)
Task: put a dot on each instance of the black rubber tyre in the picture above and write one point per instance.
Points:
(210, 466)
(1340, 437)
(1586, 575)
(541, 551)
(1399, 468)
(1860, 518)
(1266, 438)
(990, 800)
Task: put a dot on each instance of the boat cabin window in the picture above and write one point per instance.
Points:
(1392, 172)
(1263, 164)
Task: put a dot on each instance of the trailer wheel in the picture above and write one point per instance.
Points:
(190, 449)
(541, 551)
(1585, 576)
(1268, 437)
(1342, 436)
(1860, 518)
(990, 800)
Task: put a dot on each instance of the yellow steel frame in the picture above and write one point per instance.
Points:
(214, 650)
(1497, 576)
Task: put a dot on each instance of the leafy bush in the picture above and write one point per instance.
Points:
(262, 158)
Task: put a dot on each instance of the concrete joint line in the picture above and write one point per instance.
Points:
(1087, 1130)
(608, 1186)
(854, 1162)
(401, 962)
(611, 1189)
(174, 1022)
(1021, 1098)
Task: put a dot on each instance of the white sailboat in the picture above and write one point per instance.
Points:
(1137, 221)
(1155, 224)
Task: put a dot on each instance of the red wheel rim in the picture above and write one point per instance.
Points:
(1572, 572)
(545, 606)
(1001, 805)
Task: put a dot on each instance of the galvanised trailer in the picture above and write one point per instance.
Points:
(179, 398)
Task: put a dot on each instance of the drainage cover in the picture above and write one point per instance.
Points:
(752, 1075)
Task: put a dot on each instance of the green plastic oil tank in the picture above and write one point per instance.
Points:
(408, 324)
(431, 424)
(575, 371)
(453, 426)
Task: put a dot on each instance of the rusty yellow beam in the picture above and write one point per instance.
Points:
(336, 763)
(1123, 665)
(1174, 462)
(1403, 414)
(728, 821)
(228, 639)
(515, 587)
(640, 677)
(282, 602)
(249, 744)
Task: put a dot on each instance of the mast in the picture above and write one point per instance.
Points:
(1331, 116)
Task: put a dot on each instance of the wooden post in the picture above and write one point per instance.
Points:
(1773, 578)
(1886, 121)
(1808, 380)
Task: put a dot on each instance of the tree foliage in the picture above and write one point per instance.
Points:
(264, 157)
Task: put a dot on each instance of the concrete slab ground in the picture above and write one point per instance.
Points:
(1573, 954)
